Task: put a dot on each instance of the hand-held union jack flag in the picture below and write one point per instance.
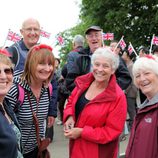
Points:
(130, 49)
(12, 36)
(122, 44)
(155, 40)
(108, 36)
(45, 34)
(60, 39)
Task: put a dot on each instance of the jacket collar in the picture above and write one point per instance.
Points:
(109, 94)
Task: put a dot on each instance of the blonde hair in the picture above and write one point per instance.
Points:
(6, 60)
(38, 54)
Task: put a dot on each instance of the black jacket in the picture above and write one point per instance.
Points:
(82, 66)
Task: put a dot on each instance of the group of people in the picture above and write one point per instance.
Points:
(27, 89)
(102, 85)
(95, 114)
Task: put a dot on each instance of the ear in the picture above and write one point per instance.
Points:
(21, 31)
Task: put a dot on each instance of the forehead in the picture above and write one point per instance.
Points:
(3, 65)
(31, 23)
(102, 59)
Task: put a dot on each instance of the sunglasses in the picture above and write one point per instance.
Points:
(7, 71)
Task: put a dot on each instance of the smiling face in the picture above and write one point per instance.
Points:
(94, 39)
(147, 81)
(102, 69)
(6, 77)
(43, 71)
(30, 32)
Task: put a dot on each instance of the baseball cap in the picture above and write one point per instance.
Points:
(97, 28)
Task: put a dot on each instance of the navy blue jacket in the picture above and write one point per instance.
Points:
(8, 141)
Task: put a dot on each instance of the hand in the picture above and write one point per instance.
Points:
(73, 133)
(69, 124)
(51, 121)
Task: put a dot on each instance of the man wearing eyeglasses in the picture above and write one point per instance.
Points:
(83, 63)
(31, 33)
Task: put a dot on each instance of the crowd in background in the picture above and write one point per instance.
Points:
(100, 91)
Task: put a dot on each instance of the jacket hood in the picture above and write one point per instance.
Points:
(109, 94)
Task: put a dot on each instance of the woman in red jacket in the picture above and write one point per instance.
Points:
(143, 142)
(95, 114)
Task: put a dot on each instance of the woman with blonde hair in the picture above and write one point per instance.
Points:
(38, 72)
(10, 135)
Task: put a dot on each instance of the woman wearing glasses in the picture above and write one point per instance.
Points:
(10, 135)
(38, 72)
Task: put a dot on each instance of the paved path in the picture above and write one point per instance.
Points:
(59, 146)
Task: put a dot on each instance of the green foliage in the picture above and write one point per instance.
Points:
(137, 20)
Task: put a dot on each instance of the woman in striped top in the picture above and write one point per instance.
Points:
(38, 71)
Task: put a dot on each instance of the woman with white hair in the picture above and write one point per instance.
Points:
(143, 142)
(95, 114)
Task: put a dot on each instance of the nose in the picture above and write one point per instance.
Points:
(48, 67)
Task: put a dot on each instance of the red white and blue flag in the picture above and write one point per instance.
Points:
(122, 44)
(45, 34)
(155, 40)
(12, 36)
(108, 36)
(130, 49)
(60, 39)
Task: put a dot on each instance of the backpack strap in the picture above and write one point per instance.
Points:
(21, 95)
(20, 99)
(50, 88)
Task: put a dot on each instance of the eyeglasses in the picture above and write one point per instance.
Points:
(7, 71)
(29, 30)
(94, 35)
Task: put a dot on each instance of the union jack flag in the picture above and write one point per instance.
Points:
(60, 39)
(12, 36)
(155, 40)
(122, 44)
(45, 34)
(108, 36)
(130, 49)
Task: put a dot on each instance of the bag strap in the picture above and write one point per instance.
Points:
(35, 120)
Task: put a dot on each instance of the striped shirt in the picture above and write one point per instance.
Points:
(24, 113)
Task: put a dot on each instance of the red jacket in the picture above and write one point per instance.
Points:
(102, 120)
(143, 142)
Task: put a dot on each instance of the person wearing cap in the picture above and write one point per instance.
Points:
(83, 62)
(143, 141)
(10, 134)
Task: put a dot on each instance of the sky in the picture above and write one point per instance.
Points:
(54, 16)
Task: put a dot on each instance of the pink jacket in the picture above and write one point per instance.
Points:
(102, 120)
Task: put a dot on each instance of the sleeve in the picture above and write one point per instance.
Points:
(113, 126)
(122, 75)
(68, 111)
(53, 101)
(73, 71)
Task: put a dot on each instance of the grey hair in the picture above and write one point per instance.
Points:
(108, 54)
(79, 40)
(145, 63)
